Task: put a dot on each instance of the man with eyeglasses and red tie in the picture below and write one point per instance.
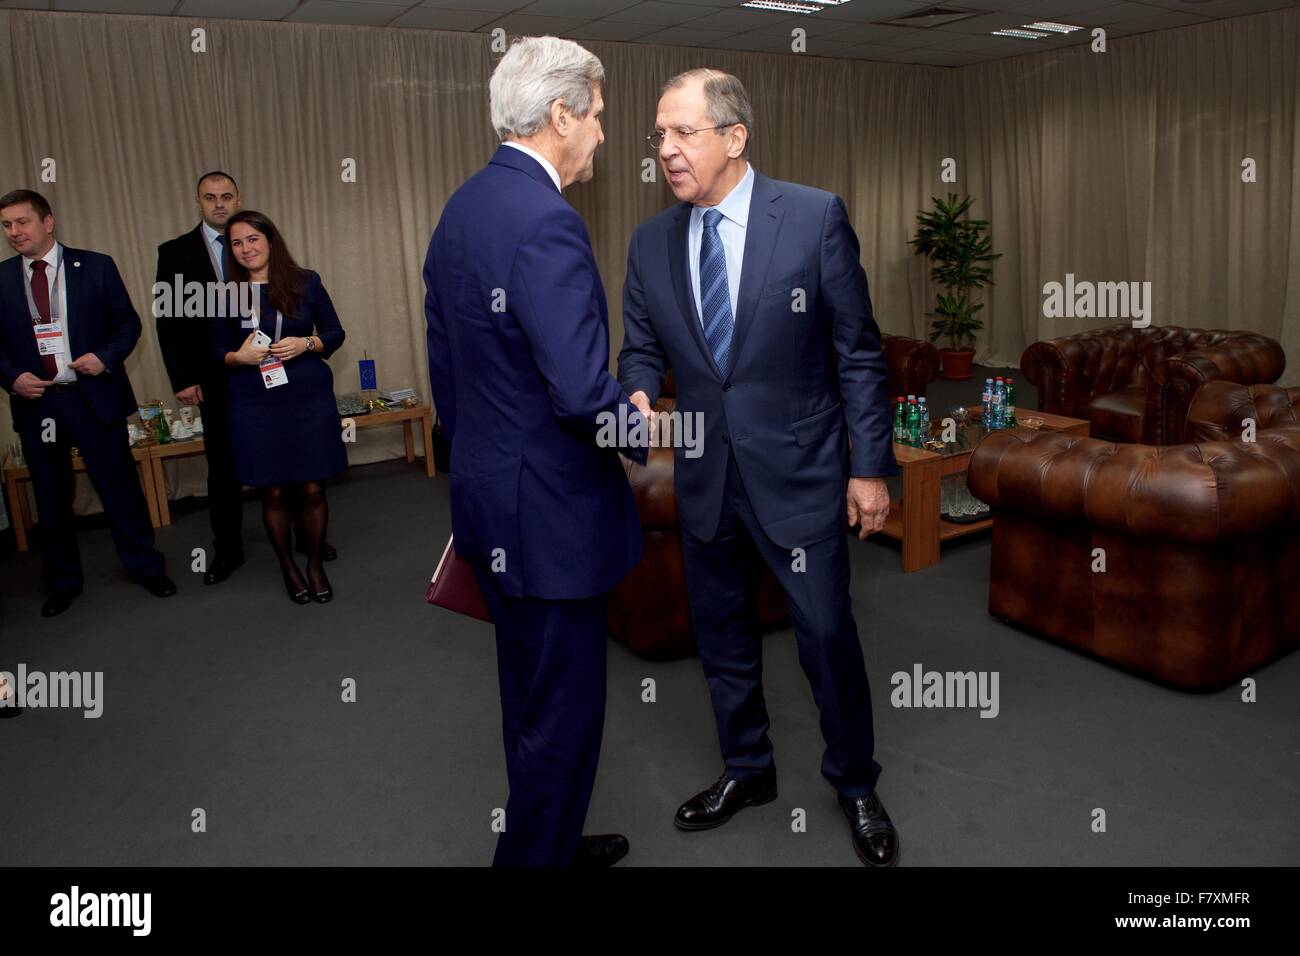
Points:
(66, 328)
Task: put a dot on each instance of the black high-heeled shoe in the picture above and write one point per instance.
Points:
(298, 597)
(327, 594)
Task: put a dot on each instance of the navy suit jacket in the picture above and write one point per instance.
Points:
(801, 383)
(100, 319)
(518, 366)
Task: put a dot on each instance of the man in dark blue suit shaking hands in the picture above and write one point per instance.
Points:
(751, 291)
(518, 365)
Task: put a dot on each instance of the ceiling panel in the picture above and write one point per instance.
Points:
(684, 36)
(586, 9)
(500, 6)
(238, 9)
(434, 18)
(520, 24)
(149, 7)
(847, 30)
(657, 12)
(349, 12)
(609, 30)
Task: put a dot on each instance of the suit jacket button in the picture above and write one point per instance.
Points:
(725, 439)
(726, 386)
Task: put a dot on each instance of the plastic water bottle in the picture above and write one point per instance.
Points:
(986, 417)
(998, 397)
(913, 423)
(925, 419)
(900, 429)
(1009, 407)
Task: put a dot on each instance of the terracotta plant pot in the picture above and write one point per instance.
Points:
(956, 363)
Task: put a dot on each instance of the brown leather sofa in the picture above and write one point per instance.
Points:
(1135, 385)
(648, 610)
(1201, 540)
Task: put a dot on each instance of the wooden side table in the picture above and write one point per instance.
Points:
(915, 520)
(406, 417)
(160, 453)
(21, 512)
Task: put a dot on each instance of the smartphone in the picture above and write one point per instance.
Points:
(260, 338)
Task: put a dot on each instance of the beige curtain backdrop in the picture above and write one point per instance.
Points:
(1127, 165)
(1123, 165)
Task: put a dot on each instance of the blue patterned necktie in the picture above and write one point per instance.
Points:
(221, 258)
(715, 296)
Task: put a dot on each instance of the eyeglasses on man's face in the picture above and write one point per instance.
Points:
(683, 135)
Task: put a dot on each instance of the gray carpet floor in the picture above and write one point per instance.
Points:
(227, 700)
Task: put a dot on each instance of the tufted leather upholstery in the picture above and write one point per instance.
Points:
(1081, 375)
(648, 610)
(1201, 540)
(913, 364)
(1220, 410)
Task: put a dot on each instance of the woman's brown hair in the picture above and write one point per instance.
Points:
(286, 280)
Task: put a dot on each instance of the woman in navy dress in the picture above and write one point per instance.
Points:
(284, 421)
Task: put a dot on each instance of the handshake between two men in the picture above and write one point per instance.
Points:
(750, 291)
(866, 500)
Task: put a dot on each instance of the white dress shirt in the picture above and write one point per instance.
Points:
(59, 308)
(216, 248)
(731, 230)
(546, 165)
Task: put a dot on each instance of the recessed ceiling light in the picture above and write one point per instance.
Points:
(1051, 27)
(1020, 34)
(785, 6)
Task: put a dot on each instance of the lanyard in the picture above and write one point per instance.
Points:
(54, 292)
(279, 322)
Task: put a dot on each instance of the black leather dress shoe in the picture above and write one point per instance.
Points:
(606, 849)
(715, 806)
(159, 585)
(222, 568)
(58, 602)
(874, 838)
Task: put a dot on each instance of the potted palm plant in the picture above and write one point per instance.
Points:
(959, 251)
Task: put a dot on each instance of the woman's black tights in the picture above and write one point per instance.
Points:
(278, 506)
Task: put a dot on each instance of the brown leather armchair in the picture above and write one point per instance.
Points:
(648, 610)
(1135, 385)
(1200, 541)
(913, 364)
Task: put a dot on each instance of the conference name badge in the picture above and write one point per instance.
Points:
(49, 338)
(273, 373)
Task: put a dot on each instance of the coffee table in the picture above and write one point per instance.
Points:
(914, 519)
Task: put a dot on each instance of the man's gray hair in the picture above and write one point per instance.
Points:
(534, 73)
(726, 98)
